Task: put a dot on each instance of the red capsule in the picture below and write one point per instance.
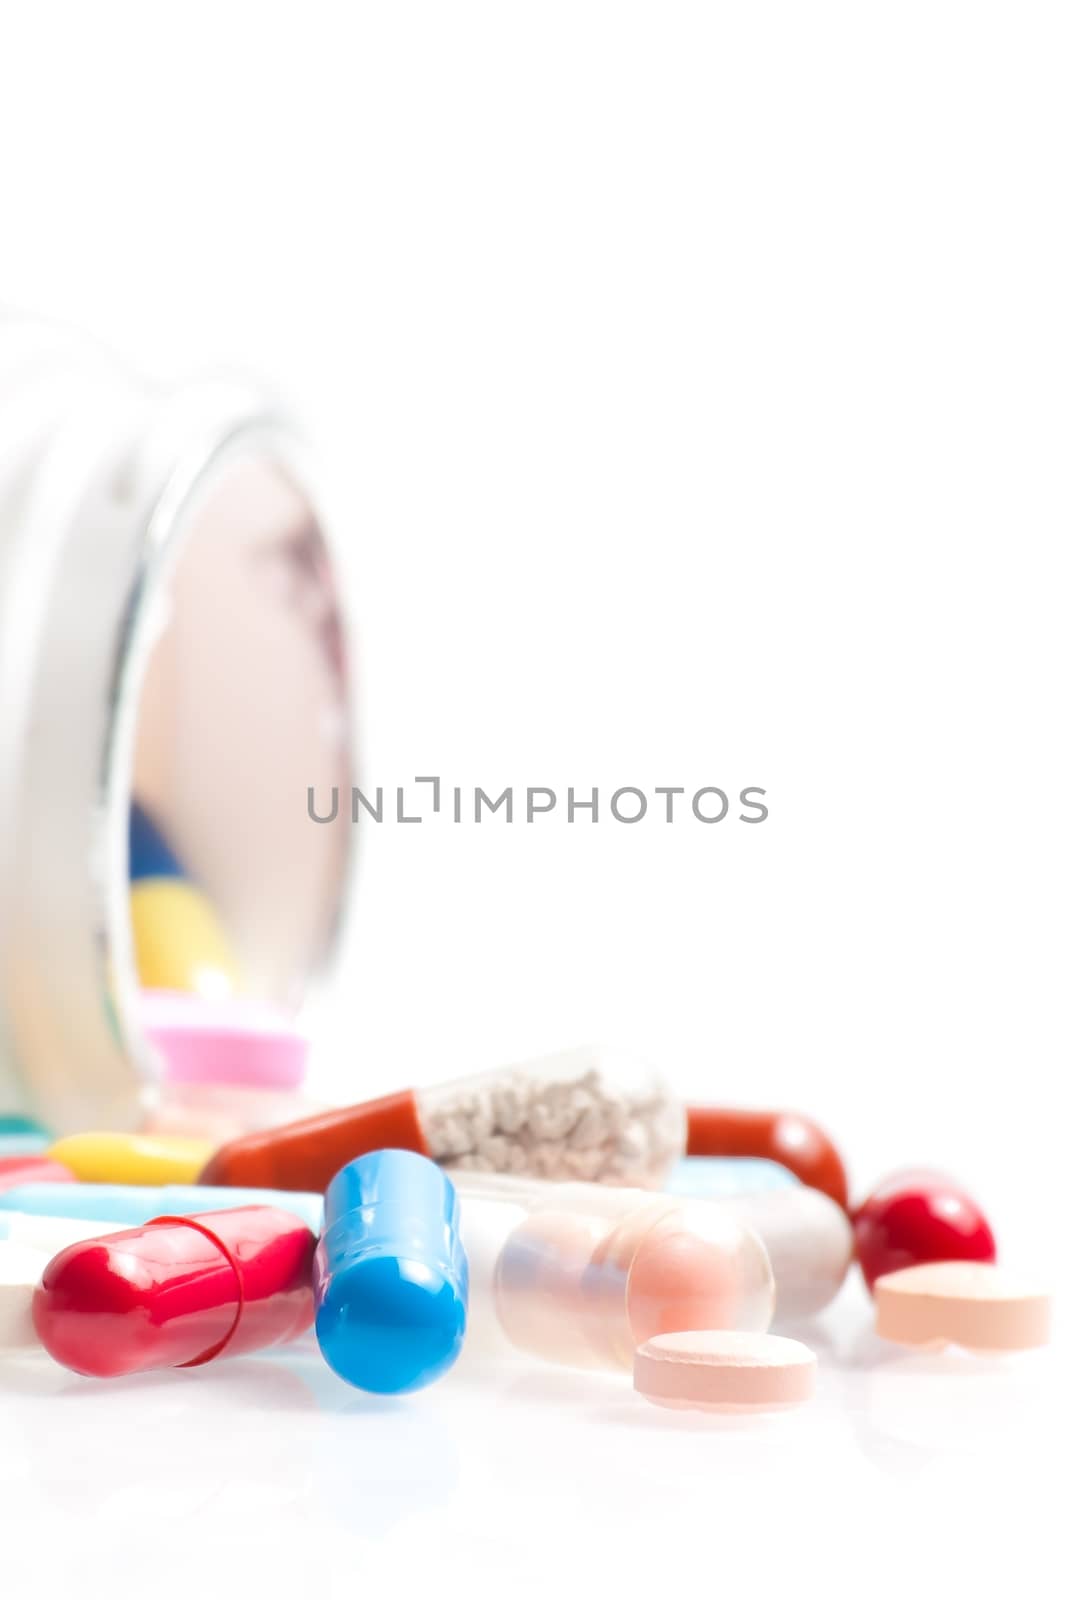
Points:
(914, 1217)
(789, 1138)
(178, 1292)
(17, 1170)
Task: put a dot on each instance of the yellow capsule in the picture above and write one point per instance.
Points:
(178, 941)
(132, 1158)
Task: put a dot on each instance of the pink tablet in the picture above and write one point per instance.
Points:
(224, 1041)
(725, 1371)
(971, 1303)
(229, 1067)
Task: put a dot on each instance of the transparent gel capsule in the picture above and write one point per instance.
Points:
(582, 1275)
(588, 1113)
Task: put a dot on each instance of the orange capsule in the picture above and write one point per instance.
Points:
(787, 1137)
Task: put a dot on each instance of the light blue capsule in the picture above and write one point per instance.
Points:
(23, 1144)
(135, 1204)
(714, 1177)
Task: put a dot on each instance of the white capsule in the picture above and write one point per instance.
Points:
(49, 1235)
(20, 1273)
(27, 1245)
(809, 1240)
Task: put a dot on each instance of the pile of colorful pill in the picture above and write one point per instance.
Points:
(411, 1228)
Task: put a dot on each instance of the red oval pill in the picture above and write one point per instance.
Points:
(916, 1217)
(16, 1170)
(178, 1292)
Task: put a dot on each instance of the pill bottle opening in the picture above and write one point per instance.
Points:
(225, 897)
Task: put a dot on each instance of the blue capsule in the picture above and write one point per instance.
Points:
(150, 854)
(390, 1274)
(15, 1126)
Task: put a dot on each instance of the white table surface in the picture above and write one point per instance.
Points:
(267, 1475)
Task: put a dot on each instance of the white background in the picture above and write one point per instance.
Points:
(693, 378)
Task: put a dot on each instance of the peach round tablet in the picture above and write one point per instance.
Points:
(971, 1303)
(725, 1371)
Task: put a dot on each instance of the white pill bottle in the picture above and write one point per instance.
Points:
(171, 633)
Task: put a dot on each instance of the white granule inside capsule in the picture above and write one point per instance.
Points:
(554, 1127)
